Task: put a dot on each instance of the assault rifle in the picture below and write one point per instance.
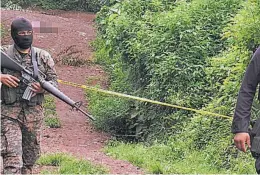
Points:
(28, 79)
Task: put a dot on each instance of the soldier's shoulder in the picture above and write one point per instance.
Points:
(44, 56)
(41, 52)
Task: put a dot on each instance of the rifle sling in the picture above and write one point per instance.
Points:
(34, 62)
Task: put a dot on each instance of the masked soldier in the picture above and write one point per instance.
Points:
(241, 120)
(21, 119)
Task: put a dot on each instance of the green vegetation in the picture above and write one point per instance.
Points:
(10, 5)
(50, 115)
(52, 122)
(190, 53)
(49, 105)
(3, 31)
(173, 158)
(160, 51)
(67, 164)
(79, 5)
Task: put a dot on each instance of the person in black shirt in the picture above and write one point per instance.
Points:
(241, 120)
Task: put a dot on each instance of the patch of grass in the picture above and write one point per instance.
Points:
(68, 164)
(49, 172)
(153, 159)
(51, 119)
(52, 122)
(95, 80)
(53, 159)
(49, 104)
(164, 159)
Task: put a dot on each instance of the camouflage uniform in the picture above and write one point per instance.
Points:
(21, 120)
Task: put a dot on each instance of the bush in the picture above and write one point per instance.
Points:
(183, 56)
(225, 73)
(110, 120)
(159, 50)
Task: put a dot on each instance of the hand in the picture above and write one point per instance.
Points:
(241, 139)
(9, 80)
(36, 88)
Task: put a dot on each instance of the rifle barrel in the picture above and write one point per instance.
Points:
(88, 115)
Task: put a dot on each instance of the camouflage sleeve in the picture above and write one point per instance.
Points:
(4, 49)
(48, 67)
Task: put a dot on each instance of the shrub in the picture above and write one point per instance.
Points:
(198, 68)
(159, 50)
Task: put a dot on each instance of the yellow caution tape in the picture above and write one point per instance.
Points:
(142, 99)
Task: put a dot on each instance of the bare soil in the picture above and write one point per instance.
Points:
(72, 34)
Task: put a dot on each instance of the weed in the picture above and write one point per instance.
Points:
(50, 113)
(52, 122)
(53, 159)
(72, 56)
(3, 31)
(162, 159)
(49, 102)
(68, 164)
(74, 61)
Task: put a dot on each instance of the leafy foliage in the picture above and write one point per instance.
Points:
(191, 53)
(80, 5)
(10, 5)
(159, 50)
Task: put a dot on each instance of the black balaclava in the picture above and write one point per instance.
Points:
(21, 24)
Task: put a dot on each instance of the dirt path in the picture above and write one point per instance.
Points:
(76, 136)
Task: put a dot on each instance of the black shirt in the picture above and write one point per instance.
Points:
(246, 95)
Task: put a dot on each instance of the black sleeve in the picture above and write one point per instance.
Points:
(246, 95)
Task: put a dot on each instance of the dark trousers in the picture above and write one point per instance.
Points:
(257, 165)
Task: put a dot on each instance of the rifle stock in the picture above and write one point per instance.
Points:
(8, 63)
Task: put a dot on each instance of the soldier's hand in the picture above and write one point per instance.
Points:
(9, 80)
(36, 87)
(241, 139)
